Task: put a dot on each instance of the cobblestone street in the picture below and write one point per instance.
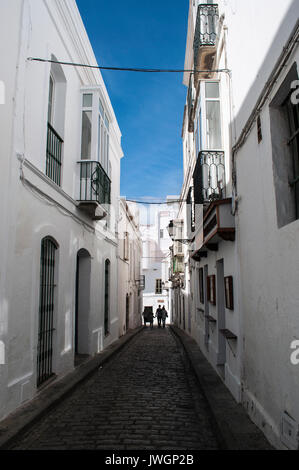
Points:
(145, 397)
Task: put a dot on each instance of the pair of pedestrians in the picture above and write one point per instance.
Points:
(161, 315)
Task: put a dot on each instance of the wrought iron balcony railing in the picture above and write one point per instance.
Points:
(205, 29)
(95, 185)
(54, 154)
(209, 176)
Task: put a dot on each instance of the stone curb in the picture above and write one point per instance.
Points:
(236, 430)
(26, 415)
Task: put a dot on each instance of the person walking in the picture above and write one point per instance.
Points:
(159, 316)
(164, 315)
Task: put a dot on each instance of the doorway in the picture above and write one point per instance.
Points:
(82, 308)
(47, 301)
(221, 317)
(127, 312)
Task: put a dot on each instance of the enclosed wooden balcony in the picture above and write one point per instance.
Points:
(218, 224)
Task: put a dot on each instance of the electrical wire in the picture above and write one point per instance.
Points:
(159, 203)
(126, 69)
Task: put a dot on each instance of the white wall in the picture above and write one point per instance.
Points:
(34, 207)
(267, 255)
(156, 256)
(269, 269)
(129, 267)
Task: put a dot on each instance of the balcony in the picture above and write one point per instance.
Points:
(205, 38)
(53, 156)
(178, 265)
(209, 177)
(218, 225)
(94, 189)
(140, 283)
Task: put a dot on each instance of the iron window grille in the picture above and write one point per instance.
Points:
(46, 311)
(293, 143)
(209, 177)
(107, 297)
(158, 286)
(206, 27)
(54, 155)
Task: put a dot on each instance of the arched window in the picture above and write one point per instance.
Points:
(107, 297)
(46, 310)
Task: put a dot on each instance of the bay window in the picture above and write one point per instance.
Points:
(209, 173)
(208, 118)
(95, 184)
(94, 130)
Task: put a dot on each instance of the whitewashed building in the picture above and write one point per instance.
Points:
(240, 137)
(209, 260)
(60, 153)
(130, 280)
(156, 259)
(265, 156)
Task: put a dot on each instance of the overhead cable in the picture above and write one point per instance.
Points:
(125, 69)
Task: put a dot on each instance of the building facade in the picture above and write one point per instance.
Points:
(239, 204)
(156, 260)
(130, 280)
(60, 174)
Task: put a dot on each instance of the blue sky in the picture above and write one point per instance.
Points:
(149, 107)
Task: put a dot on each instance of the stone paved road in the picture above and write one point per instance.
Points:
(146, 397)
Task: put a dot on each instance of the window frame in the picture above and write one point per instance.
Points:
(107, 282)
(158, 287)
(293, 144)
(201, 136)
(126, 246)
(211, 289)
(283, 152)
(100, 132)
(201, 285)
(229, 292)
(51, 117)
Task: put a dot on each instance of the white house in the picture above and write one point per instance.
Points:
(207, 273)
(240, 198)
(60, 152)
(156, 259)
(265, 157)
(130, 280)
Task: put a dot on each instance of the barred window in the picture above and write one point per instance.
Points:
(284, 116)
(158, 286)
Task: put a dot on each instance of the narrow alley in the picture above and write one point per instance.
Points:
(149, 169)
(145, 397)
